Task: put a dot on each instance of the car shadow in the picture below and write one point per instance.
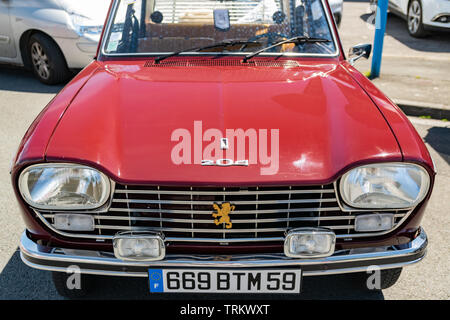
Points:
(439, 139)
(20, 80)
(397, 28)
(18, 282)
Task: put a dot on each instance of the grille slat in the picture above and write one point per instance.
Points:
(229, 193)
(262, 213)
(262, 230)
(256, 202)
(234, 212)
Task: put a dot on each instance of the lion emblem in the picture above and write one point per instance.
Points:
(221, 215)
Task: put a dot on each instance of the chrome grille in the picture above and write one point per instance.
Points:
(261, 213)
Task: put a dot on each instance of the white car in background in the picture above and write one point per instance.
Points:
(51, 36)
(422, 15)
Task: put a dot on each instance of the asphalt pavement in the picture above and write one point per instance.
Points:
(416, 71)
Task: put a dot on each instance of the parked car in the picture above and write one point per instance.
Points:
(421, 16)
(234, 136)
(51, 37)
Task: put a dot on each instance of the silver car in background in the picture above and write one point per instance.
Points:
(51, 37)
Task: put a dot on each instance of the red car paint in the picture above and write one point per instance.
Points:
(325, 121)
(118, 115)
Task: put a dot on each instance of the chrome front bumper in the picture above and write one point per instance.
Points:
(104, 263)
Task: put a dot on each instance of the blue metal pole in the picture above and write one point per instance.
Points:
(380, 28)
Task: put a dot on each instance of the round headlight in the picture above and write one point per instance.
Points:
(385, 186)
(63, 187)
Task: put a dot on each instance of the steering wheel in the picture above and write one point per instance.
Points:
(271, 36)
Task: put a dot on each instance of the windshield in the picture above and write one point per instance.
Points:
(164, 26)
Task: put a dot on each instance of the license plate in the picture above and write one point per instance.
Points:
(225, 281)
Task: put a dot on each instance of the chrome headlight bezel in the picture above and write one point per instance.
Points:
(423, 191)
(26, 196)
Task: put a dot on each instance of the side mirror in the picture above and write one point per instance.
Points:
(359, 51)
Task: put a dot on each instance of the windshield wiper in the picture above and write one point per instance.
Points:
(215, 45)
(297, 40)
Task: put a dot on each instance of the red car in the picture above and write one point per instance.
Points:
(222, 146)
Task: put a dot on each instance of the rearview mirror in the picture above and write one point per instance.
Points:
(359, 51)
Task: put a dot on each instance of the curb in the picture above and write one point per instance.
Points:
(413, 108)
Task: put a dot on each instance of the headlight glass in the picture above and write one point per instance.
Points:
(87, 27)
(63, 187)
(385, 185)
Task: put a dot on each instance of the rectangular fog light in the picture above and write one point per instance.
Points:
(139, 246)
(309, 243)
(374, 222)
(74, 222)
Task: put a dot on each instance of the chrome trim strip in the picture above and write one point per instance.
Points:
(187, 230)
(208, 212)
(45, 256)
(208, 202)
(228, 240)
(181, 230)
(85, 271)
(144, 275)
(124, 218)
(360, 269)
(227, 193)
